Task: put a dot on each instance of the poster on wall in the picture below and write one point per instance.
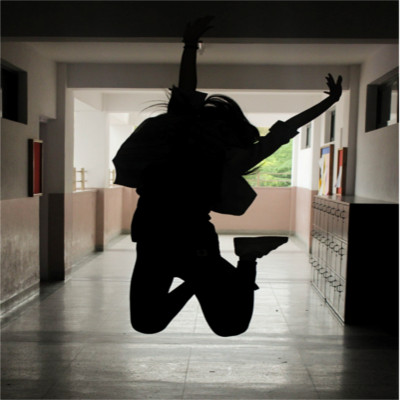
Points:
(341, 171)
(35, 180)
(325, 170)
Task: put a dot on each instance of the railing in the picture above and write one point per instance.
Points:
(112, 177)
(259, 179)
(269, 179)
(79, 182)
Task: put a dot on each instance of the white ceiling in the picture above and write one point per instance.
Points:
(214, 53)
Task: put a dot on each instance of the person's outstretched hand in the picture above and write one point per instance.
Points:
(335, 88)
(194, 30)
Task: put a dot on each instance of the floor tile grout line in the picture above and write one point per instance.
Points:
(19, 311)
(56, 381)
(186, 373)
(299, 352)
(300, 343)
(49, 287)
(292, 335)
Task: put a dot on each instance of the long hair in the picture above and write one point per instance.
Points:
(231, 126)
(234, 128)
(218, 117)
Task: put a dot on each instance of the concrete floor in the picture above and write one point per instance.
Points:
(75, 342)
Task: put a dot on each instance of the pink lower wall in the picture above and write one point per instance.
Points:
(286, 211)
(20, 266)
(109, 213)
(99, 215)
(130, 199)
(271, 212)
(96, 220)
(83, 224)
(113, 204)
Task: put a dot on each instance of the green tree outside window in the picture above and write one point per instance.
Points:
(276, 170)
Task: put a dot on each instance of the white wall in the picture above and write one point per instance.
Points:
(377, 165)
(41, 103)
(91, 145)
(118, 134)
(264, 109)
(266, 120)
(92, 98)
(305, 165)
(305, 160)
(20, 218)
(341, 135)
(97, 137)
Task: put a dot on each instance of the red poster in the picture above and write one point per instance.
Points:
(341, 171)
(37, 157)
(35, 167)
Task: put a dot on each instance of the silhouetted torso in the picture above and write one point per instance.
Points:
(177, 194)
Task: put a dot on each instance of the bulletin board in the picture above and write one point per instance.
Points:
(35, 173)
(340, 184)
(326, 170)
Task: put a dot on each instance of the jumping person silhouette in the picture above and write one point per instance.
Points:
(185, 163)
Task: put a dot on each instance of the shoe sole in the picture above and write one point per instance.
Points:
(273, 242)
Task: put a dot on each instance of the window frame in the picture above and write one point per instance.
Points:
(374, 101)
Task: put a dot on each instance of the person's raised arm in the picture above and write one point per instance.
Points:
(191, 36)
(243, 160)
(334, 93)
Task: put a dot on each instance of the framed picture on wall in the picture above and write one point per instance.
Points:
(340, 184)
(35, 173)
(326, 170)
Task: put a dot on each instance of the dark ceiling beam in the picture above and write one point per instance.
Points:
(266, 20)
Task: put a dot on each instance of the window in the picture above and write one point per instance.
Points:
(308, 136)
(388, 95)
(383, 102)
(276, 170)
(14, 93)
(332, 126)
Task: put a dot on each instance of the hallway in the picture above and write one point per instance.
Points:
(75, 342)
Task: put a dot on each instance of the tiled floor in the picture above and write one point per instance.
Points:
(75, 342)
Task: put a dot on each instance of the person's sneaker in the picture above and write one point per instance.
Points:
(257, 247)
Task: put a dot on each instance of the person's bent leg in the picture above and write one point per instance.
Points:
(152, 306)
(226, 295)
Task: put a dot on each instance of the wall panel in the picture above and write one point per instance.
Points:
(19, 246)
